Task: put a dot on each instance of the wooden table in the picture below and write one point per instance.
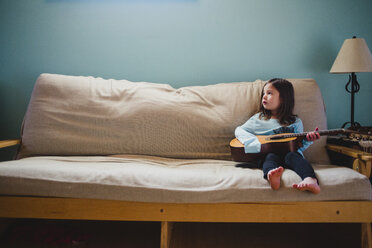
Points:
(362, 160)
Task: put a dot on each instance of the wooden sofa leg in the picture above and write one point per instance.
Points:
(166, 233)
(366, 235)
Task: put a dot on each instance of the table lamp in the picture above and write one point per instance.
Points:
(354, 56)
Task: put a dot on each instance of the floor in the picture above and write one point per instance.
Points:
(111, 234)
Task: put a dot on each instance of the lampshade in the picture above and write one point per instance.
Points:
(354, 56)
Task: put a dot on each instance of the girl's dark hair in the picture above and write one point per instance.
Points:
(286, 96)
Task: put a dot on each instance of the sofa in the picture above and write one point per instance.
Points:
(96, 149)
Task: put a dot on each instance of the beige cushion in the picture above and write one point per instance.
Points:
(70, 115)
(156, 179)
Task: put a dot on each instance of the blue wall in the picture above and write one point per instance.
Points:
(180, 42)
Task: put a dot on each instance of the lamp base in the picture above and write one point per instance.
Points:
(353, 125)
(352, 87)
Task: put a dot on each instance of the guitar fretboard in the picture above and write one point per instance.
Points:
(321, 132)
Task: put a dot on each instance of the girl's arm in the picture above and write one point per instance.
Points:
(299, 128)
(245, 136)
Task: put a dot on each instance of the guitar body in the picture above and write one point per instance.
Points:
(280, 146)
(278, 143)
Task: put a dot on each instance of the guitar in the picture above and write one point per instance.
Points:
(278, 143)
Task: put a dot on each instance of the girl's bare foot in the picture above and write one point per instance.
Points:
(309, 184)
(274, 177)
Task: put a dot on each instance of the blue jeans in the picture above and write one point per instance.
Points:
(291, 160)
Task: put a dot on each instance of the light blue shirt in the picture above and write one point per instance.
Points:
(247, 132)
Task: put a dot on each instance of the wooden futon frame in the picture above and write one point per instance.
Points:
(168, 213)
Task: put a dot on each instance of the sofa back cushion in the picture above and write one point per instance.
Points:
(73, 115)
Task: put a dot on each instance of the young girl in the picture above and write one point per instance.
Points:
(276, 116)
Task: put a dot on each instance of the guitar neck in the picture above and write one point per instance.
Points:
(321, 132)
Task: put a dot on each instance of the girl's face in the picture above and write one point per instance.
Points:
(271, 99)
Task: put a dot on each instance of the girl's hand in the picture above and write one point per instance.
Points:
(312, 136)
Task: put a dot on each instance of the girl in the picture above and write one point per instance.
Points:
(276, 116)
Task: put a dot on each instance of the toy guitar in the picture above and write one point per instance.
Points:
(278, 143)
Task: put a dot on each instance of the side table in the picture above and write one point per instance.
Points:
(362, 160)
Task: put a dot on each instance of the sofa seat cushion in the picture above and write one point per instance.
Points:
(158, 179)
